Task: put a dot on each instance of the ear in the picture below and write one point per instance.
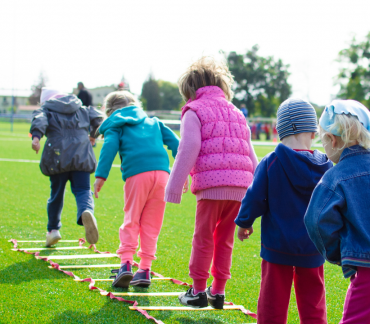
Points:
(333, 139)
(313, 135)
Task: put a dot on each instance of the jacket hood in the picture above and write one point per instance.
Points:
(64, 105)
(304, 171)
(129, 115)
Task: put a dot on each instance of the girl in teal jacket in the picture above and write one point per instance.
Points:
(139, 140)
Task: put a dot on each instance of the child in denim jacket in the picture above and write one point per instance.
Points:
(337, 218)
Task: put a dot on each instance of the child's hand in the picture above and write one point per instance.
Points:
(186, 186)
(244, 233)
(92, 140)
(97, 186)
(36, 144)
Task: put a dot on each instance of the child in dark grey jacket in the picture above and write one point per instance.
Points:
(67, 155)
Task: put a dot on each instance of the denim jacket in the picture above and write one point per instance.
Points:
(338, 216)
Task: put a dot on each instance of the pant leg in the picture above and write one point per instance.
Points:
(309, 285)
(80, 186)
(136, 192)
(56, 200)
(356, 308)
(206, 217)
(223, 238)
(152, 219)
(273, 301)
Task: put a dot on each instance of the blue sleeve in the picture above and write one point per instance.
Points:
(170, 139)
(324, 222)
(108, 152)
(254, 204)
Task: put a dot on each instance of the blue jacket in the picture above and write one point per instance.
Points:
(139, 141)
(280, 192)
(338, 219)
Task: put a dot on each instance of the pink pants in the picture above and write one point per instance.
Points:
(144, 211)
(276, 285)
(213, 240)
(357, 304)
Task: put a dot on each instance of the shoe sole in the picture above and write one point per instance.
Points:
(91, 229)
(141, 283)
(53, 242)
(123, 280)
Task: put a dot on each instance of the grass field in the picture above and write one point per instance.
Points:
(32, 293)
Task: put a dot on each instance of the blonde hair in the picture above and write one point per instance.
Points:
(207, 71)
(119, 99)
(351, 130)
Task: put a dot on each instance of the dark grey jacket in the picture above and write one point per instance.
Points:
(66, 124)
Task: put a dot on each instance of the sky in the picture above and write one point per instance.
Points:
(97, 42)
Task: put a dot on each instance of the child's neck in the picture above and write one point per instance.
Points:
(298, 142)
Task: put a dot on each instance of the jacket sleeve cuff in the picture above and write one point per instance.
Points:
(36, 134)
(243, 224)
(172, 198)
(101, 178)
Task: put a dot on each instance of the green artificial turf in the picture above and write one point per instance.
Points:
(32, 293)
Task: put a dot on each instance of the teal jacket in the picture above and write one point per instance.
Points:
(139, 141)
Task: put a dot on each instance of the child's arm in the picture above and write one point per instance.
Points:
(38, 127)
(107, 155)
(96, 119)
(324, 222)
(169, 138)
(189, 149)
(252, 153)
(254, 204)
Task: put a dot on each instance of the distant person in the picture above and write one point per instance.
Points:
(84, 95)
(67, 155)
(244, 110)
(145, 168)
(280, 192)
(216, 150)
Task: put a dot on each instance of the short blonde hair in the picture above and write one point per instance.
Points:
(207, 71)
(119, 99)
(351, 130)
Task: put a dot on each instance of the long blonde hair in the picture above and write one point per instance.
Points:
(351, 130)
(119, 99)
(207, 71)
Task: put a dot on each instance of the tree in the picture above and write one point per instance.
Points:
(170, 95)
(261, 83)
(34, 98)
(354, 75)
(150, 94)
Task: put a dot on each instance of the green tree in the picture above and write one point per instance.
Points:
(34, 98)
(170, 95)
(354, 75)
(150, 94)
(261, 83)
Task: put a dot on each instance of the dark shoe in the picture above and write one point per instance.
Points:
(197, 301)
(91, 228)
(216, 301)
(141, 279)
(123, 277)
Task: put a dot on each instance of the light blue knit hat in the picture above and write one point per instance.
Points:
(295, 116)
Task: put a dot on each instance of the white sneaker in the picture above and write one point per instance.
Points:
(52, 238)
(91, 227)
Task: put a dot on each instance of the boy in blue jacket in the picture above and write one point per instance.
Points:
(281, 190)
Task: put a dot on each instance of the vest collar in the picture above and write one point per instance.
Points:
(209, 92)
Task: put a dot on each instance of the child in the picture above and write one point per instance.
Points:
(280, 192)
(215, 149)
(145, 169)
(337, 217)
(67, 155)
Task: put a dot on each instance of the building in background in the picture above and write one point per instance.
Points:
(6, 100)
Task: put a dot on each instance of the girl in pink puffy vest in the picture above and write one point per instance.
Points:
(215, 149)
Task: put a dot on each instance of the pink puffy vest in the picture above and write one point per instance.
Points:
(223, 160)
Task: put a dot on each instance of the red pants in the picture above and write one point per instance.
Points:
(213, 240)
(356, 308)
(144, 211)
(276, 285)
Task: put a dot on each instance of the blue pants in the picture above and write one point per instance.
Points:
(80, 186)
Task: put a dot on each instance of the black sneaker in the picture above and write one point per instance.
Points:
(216, 301)
(141, 278)
(197, 301)
(123, 277)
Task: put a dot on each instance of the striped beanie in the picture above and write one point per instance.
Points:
(295, 116)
